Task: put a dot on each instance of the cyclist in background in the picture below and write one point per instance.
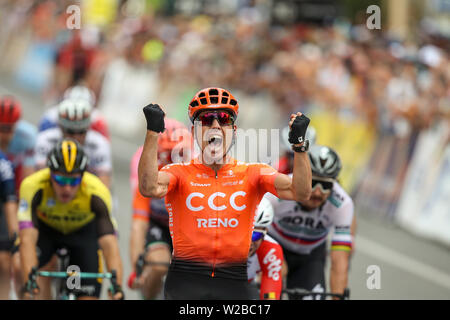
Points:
(302, 227)
(286, 162)
(9, 223)
(150, 225)
(98, 123)
(64, 206)
(74, 122)
(17, 140)
(265, 256)
(210, 250)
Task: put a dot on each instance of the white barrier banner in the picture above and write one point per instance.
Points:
(424, 200)
(435, 220)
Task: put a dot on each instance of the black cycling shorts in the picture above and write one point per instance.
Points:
(158, 234)
(181, 285)
(83, 249)
(306, 271)
(6, 243)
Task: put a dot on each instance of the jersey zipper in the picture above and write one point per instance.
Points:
(215, 242)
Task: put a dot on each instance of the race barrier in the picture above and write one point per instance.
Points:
(424, 205)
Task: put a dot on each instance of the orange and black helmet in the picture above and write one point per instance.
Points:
(212, 98)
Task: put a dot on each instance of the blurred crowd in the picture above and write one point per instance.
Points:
(136, 56)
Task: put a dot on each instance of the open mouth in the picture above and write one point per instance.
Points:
(215, 140)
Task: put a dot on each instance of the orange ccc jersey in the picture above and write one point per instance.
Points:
(211, 215)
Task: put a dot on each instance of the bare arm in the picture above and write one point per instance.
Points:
(137, 240)
(339, 271)
(28, 256)
(302, 176)
(151, 182)
(105, 177)
(298, 187)
(110, 248)
(11, 217)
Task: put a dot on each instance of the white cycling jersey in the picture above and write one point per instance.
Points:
(96, 146)
(301, 231)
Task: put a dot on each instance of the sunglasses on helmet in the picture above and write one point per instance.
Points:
(224, 118)
(258, 234)
(325, 185)
(64, 181)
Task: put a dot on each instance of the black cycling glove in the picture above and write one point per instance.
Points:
(298, 129)
(155, 117)
(116, 288)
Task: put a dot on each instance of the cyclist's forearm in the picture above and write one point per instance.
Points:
(11, 217)
(28, 256)
(148, 165)
(105, 177)
(301, 180)
(110, 248)
(338, 278)
(137, 239)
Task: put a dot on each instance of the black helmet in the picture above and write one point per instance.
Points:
(67, 156)
(324, 161)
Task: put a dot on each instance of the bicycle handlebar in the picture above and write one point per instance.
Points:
(299, 292)
(84, 275)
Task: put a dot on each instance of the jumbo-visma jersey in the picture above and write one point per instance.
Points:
(211, 215)
(38, 203)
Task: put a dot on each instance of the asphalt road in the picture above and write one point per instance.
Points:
(388, 262)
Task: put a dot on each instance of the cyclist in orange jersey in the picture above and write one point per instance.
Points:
(150, 234)
(211, 201)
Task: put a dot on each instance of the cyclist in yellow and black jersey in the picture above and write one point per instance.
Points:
(64, 206)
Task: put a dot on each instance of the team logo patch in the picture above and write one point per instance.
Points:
(23, 205)
(51, 202)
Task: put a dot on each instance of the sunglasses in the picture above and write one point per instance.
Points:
(6, 128)
(64, 181)
(324, 185)
(223, 117)
(257, 235)
(72, 131)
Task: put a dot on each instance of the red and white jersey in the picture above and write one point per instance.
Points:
(268, 259)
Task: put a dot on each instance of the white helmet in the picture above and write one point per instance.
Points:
(75, 114)
(311, 135)
(264, 214)
(80, 92)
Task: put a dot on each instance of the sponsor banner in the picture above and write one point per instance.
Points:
(424, 206)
